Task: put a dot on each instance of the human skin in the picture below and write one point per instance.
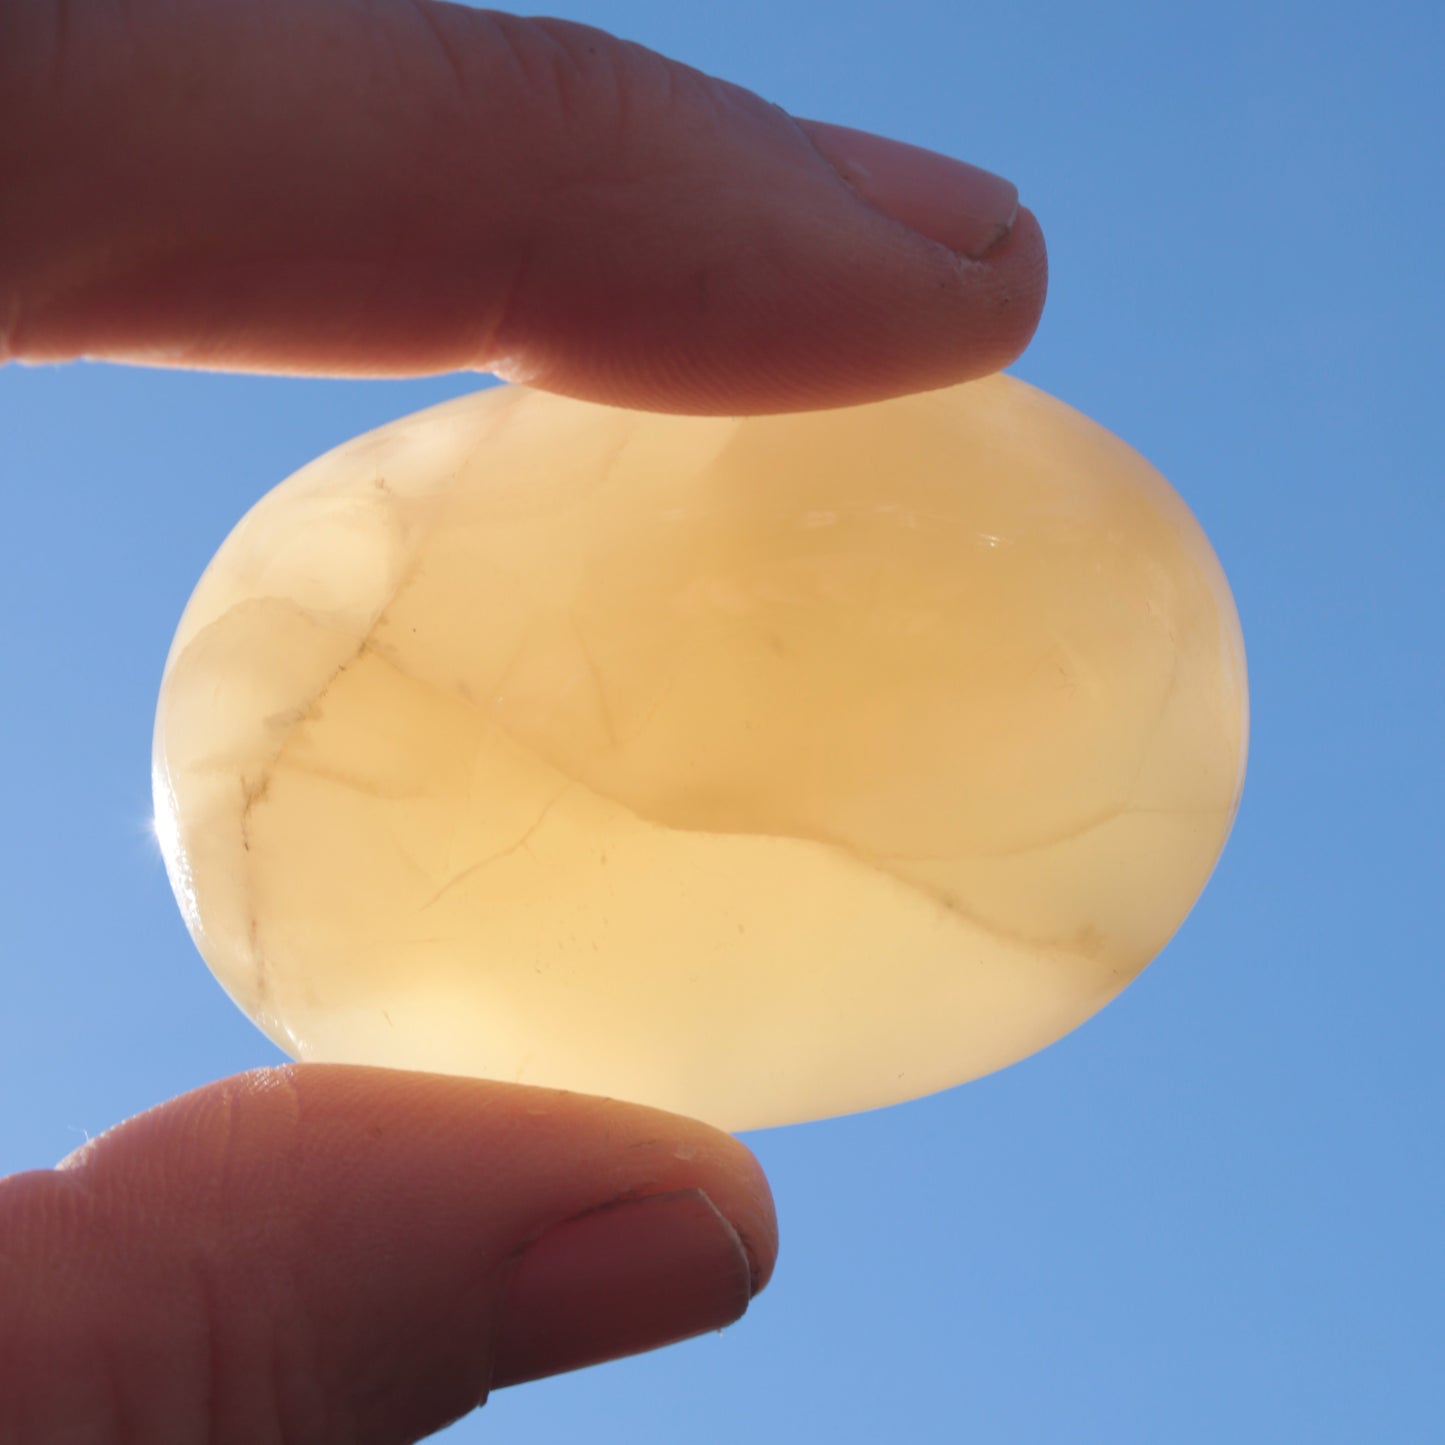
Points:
(324, 1253)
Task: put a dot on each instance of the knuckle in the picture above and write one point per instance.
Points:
(598, 92)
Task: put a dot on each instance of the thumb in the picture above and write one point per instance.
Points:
(328, 1253)
(406, 186)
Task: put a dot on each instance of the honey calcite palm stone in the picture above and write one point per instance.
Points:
(756, 769)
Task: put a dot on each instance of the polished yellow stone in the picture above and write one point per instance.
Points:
(757, 769)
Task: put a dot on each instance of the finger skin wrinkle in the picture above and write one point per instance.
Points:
(598, 93)
(130, 1315)
(60, 9)
(490, 345)
(11, 317)
(249, 1381)
(66, 1373)
(557, 60)
(33, 45)
(433, 19)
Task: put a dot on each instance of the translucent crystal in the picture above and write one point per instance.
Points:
(757, 769)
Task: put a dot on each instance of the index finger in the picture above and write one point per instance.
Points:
(409, 186)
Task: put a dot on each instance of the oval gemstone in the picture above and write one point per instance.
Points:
(760, 769)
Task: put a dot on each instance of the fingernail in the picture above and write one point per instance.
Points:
(628, 1277)
(968, 209)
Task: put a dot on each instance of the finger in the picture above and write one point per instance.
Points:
(325, 1253)
(404, 186)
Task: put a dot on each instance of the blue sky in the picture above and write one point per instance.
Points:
(1213, 1213)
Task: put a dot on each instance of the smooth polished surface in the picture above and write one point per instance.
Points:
(760, 770)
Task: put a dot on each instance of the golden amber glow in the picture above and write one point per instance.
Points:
(756, 769)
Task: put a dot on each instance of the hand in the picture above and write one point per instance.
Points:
(324, 1253)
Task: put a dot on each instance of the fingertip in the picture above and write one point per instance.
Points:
(1018, 266)
(849, 306)
(958, 204)
(627, 1277)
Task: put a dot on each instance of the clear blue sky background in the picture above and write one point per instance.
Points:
(1215, 1212)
